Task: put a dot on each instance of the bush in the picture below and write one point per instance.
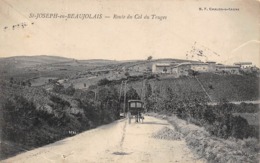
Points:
(104, 81)
(218, 119)
(214, 149)
(70, 90)
(59, 101)
(58, 88)
(240, 128)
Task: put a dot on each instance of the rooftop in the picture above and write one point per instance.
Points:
(243, 63)
(228, 66)
(162, 64)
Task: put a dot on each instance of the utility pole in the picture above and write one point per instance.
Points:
(142, 91)
(125, 99)
(120, 92)
(96, 93)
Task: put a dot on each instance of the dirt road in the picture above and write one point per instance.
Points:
(116, 142)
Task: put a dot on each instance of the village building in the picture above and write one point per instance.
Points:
(184, 69)
(228, 69)
(244, 65)
(200, 67)
(161, 68)
(211, 66)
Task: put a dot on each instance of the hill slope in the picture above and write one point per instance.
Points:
(30, 61)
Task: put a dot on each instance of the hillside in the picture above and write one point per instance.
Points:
(219, 87)
(30, 61)
(58, 97)
(231, 87)
(32, 116)
(29, 67)
(83, 73)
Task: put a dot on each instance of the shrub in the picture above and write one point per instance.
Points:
(214, 149)
(70, 90)
(59, 102)
(104, 81)
(58, 88)
(240, 128)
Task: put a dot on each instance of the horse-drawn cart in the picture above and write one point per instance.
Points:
(136, 109)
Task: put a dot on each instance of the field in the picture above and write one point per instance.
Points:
(220, 88)
(231, 87)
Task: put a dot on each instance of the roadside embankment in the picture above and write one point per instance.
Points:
(211, 148)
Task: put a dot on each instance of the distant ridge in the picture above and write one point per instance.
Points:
(36, 57)
(29, 61)
(38, 60)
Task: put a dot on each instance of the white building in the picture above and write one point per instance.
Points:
(161, 68)
(244, 65)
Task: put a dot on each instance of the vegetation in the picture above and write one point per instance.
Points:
(104, 81)
(220, 134)
(33, 117)
(131, 94)
(150, 58)
(59, 88)
(218, 120)
(25, 124)
(214, 149)
(230, 87)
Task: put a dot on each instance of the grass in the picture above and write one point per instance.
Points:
(214, 149)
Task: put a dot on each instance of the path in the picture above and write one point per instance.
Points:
(116, 142)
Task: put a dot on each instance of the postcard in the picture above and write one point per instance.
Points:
(129, 81)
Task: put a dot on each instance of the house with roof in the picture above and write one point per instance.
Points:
(184, 68)
(211, 66)
(231, 69)
(161, 68)
(244, 65)
(181, 69)
(200, 67)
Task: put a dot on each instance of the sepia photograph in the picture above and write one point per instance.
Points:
(131, 81)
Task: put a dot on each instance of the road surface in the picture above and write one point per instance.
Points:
(118, 142)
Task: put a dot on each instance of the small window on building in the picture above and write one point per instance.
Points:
(132, 104)
(138, 105)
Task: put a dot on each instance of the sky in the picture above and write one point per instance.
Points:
(224, 36)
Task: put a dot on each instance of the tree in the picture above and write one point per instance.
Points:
(164, 69)
(19, 115)
(70, 90)
(58, 88)
(209, 115)
(29, 83)
(127, 74)
(240, 127)
(148, 88)
(132, 94)
(150, 58)
(108, 103)
(193, 73)
(91, 87)
(104, 81)
(147, 95)
(11, 80)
